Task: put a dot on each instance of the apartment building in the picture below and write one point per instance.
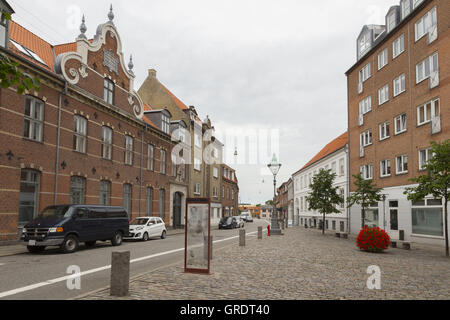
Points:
(230, 191)
(398, 95)
(332, 157)
(83, 138)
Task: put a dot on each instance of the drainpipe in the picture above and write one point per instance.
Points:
(60, 95)
(348, 188)
(142, 160)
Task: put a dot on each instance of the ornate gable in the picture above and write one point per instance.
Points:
(99, 59)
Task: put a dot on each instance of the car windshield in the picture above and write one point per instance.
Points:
(139, 222)
(226, 219)
(56, 211)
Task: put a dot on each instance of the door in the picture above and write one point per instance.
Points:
(153, 228)
(82, 225)
(177, 210)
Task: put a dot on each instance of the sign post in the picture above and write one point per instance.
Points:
(197, 251)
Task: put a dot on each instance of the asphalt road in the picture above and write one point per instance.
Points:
(43, 276)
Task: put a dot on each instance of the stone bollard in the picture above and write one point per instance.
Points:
(242, 238)
(406, 246)
(120, 274)
(259, 233)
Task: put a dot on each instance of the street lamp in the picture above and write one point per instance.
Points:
(274, 167)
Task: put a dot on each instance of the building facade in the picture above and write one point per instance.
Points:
(229, 192)
(332, 157)
(83, 138)
(398, 95)
(291, 218)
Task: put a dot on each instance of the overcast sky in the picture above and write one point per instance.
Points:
(248, 64)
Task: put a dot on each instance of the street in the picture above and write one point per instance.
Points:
(44, 276)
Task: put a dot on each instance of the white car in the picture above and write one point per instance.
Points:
(144, 228)
(246, 216)
(239, 222)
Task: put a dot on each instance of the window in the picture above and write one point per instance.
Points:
(400, 124)
(383, 59)
(162, 203)
(393, 213)
(383, 95)
(77, 190)
(197, 140)
(342, 194)
(216, 172)
(391, 22)
(342, 226)
(425, 24)
(197, 190)
(232, 194)
(342, 167)
(385, 168)
(33, 119)
(333, 223)
(29, 53)
(384, 131)
(399, 85)
(108, 92)
(151, 158)
(365, 138)
(365, 105)
(197, 164)
(107, 134)
(424, 157)
(129, 150)
(165, 124)
(223, 192)
(416, 3)
(127, 202)
(427, 112)
(406, 8)
(29, 196)
(425, 68)
(364, 44)
(367, 172)
(333, 167)
(371, 218)
(215, 193)
(364, 73)
(402, 164)
(79, 134)
(427, 218)
(162, 168)
(105, 193)
(398, 46)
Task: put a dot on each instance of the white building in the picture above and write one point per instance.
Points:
(333, 156)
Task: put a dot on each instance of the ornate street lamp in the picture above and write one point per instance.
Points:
(274, 167)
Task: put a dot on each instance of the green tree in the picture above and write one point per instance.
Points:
(269, 203)
(436, 181)
(365, 194)
(323, 196)
(10, 75)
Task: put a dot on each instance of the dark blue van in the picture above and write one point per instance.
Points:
(66, 226)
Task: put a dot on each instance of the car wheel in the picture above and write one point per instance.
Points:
(90, 244)
(70, 244)
(34, 249)
(163, 235)
(145, 237)
(117, 239)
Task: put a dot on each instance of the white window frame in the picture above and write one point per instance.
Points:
(197, 164)
(416, 3)
(426, 67)
(404, 124)
(80, 133)
(385, 130)
(424, 160)
(399, 85)
(216, 172)
(401, 164)
(391, 22)
(197, 189)
(364, 44)
(165, 124)
(129, 141)
(383, 58)
(367, 172)
(383, 95)
(365, 105)
(365, 73)
(365, 138)
(342, 167)
(433, 105)
(150, 157)
(34, 122)
(162, 162)
(421, 29)
(406, 8)
(385, 168)
(107, 136)
(398, 46)
(197, 140)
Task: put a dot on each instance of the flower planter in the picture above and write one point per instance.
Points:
(373, 240)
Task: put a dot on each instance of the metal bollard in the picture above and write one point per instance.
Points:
(259, 233)
(242, 238)
(120, 274)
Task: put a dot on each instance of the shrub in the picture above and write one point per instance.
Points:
(373, 240)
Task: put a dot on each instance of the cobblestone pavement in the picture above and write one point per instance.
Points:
(302, 264)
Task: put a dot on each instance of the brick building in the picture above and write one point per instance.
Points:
(230, 191)
(398, 95)
(84, 137)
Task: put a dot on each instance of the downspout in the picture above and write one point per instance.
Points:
(58, 138)
(348, 188)
(142, 160)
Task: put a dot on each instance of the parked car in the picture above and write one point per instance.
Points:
(68, 225)
(246, 216)
(239, 222)
(228, 223)
(144, 228)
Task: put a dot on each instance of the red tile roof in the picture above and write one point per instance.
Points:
(333, 146)
(177, 101)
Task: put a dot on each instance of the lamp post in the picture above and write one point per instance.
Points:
(384, 196)
(274, 167)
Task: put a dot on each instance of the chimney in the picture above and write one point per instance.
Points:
(152, 73)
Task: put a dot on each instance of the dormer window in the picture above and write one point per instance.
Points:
(109, 91)
(165, 124)
(364, 44)
(391, 22)
(406, 8)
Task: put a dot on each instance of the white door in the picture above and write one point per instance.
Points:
(153, 229)
(160, 224)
